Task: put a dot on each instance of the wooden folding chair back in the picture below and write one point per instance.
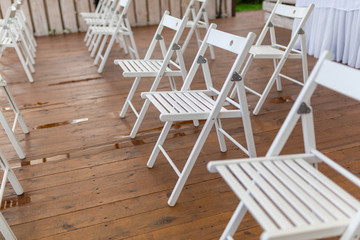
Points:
(206, 104)
(280, 53)
(158, 68)
(288, 195)
(196, 21)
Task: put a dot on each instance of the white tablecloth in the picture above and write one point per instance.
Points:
(334, 25)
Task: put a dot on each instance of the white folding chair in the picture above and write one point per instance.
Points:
(23, 28)
(18, 119)
(10, 36)
(277, 52)
(8, 175)
(119, 30)
(196, 21)
(157, 68)
(103, 19)
(206, 104)
(288, 195)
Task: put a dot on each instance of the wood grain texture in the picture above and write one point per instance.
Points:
(81, 6)
(88, 180)
(39, 17)
(165, 5)
(25, 8)
(69, 15)
(175, 6)
(54, 15)
(141, 12)
(154, 11)
(211, 9)
(131, 13)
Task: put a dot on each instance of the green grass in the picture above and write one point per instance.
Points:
(248, 6)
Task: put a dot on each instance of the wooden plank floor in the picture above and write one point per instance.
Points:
(85, 179)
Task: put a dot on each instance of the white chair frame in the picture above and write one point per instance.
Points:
(120, 32)
(8, 175)
(196, 105)
(287, 195)
(12, 36)
(198, 20)
(280, 53)
(154, 67)
(18, 119)
(104, 18)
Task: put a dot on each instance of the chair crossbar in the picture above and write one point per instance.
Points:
(234, 141)
(291, 79)
(133, 109)
(172, 164)
(15, 122)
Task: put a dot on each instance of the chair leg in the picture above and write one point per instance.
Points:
(265, 93)
(191, 161)
(90, 39)
(278, 79)
(221, 138)
(94, 44)
(101, 48)
(140, 118)
(11, 136)
(5, 229)
(16, 110)
(172, 83)
(130, 97)
(268, 87)
(159, 142)
(23, 63)
(198, 37)
(304, 58)
(234, 222)
(11, 175)
(243, 73)
(133, 45)
(106, 55)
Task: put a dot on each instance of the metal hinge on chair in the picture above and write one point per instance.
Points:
(236, 77)
(301, 31)
(175, 47)
(201, 60)
(159, 37)
(304, 109)
(270, 25)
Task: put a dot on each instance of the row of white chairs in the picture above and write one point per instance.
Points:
(112, 24)
(15, 33)
(110, 21)
(287, 195)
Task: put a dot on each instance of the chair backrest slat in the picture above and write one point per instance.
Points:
(172, 22)
(226, 41)
(290, 11)
(340, 78)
